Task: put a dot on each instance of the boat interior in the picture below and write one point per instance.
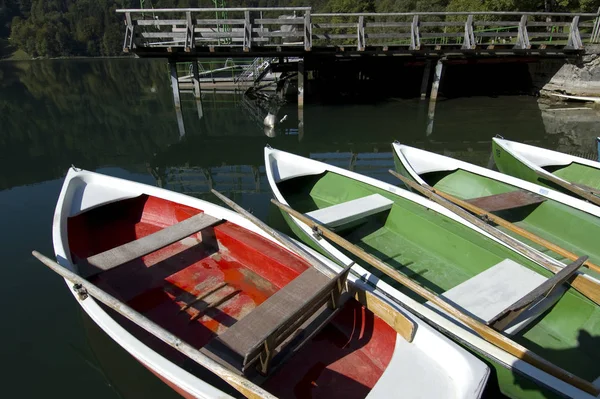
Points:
(584, 175)
(232, 293)
(561, 224)
(454, 261)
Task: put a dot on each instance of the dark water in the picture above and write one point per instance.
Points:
(117, 117)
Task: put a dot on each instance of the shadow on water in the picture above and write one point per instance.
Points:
(118, 117)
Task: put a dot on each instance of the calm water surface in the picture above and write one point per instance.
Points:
(117, 117)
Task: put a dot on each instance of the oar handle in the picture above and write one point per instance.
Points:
(241, 384)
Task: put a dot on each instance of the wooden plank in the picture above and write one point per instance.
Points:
(387, 35)
(350, 211)
(241, 384)
(504, 201)
(319, 25)
(487, 333)
(333, 36)
(279, 21)
(279, 34)
(387, 24)
(249, 332)
(151, 243)
(398, 321)
(493, 290)
(503, 318)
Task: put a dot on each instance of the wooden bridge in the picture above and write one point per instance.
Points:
(296, 31)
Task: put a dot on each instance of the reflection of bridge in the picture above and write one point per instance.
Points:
(339, 52)
(242, 179)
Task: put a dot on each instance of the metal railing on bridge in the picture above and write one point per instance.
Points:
(297, 29)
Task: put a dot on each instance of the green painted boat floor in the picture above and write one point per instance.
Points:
(577, 173)
(439, 254)
(569, 228)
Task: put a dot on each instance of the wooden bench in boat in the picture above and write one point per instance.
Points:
(505, 201)
(350, 211)
(507, 287)
(153, 242)
(278, 327)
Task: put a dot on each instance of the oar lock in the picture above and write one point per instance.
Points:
(81, 292)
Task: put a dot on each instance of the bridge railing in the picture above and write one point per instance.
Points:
(297, 27)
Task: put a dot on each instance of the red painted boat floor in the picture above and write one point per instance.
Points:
(235, 270)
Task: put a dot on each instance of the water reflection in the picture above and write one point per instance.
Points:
(118, 117)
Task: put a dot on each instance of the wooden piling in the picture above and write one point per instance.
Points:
(439, 69)
(301, 84)
(425, 81)
(175, 84)
(196, 79)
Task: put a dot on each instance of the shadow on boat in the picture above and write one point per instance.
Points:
(580, 360)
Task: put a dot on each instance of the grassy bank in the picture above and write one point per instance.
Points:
(11, 53)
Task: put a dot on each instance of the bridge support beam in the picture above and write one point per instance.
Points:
(439, 70)
(197, 88)
(175, 83)
(300, 84)
(300, 99)
(425, 81)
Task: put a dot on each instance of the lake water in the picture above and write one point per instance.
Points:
(117, 117)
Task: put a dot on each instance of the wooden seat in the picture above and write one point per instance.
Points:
(350, 211)
(490, 293)
(135, 249)
(282, 324)
(504, 201)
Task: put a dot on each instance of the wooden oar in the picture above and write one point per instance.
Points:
(487, 333)
(400, 323)
(584, 285)
(508, 225)
(576, 189)
(238, 382)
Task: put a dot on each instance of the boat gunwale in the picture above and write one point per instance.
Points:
(442, 321)
(572, 158)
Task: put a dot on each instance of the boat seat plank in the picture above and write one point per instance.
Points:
(504, 201)
(311, 299)
(350, 211)
(153, 242)
(503, 318)
(489, 293)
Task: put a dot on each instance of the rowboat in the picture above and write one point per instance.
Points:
(215, 305)
(383, 228)
(563, 172)
(568, 222)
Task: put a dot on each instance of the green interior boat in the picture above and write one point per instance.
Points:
(569, 168)
(570, 228)
(440, 253)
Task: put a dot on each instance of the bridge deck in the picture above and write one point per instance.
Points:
(295, 31)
